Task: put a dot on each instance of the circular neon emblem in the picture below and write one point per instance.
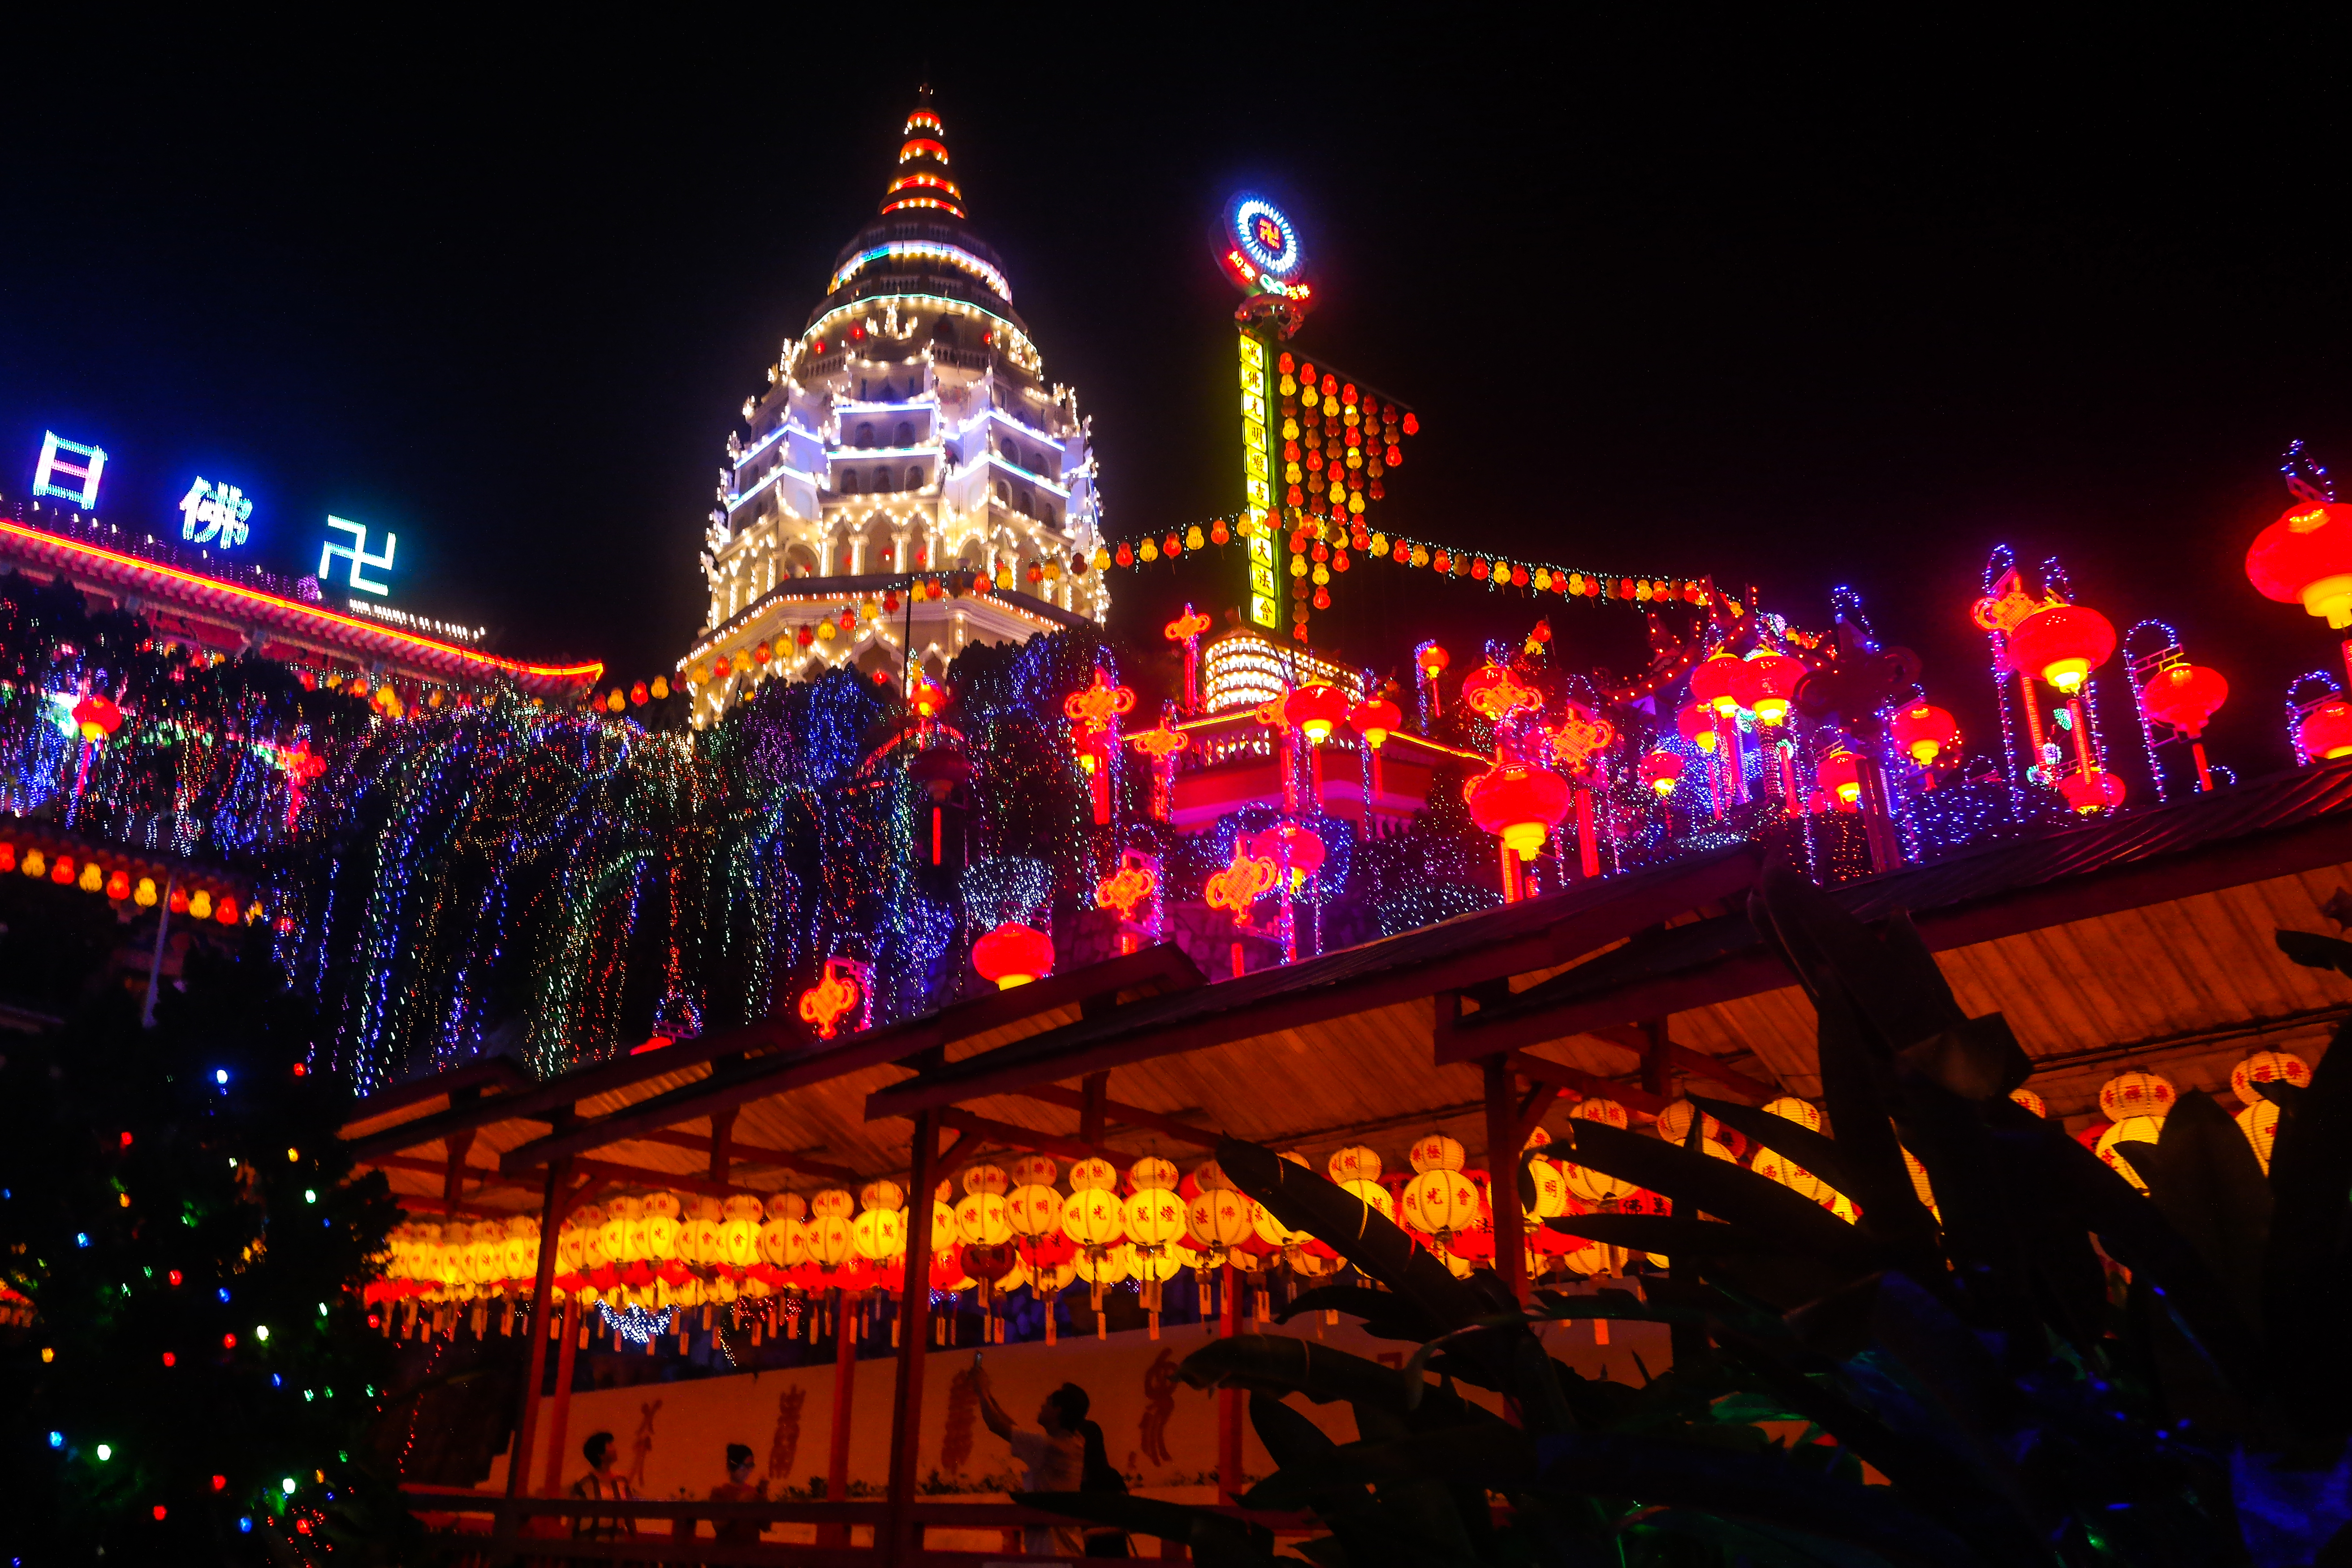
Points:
(1265, 235)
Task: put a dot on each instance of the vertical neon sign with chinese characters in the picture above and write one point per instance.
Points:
(1257, 481)
(92, 464)
(356, 552)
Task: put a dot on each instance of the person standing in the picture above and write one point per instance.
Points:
(738, 1488)
(601, 1484)
(1053, 1457)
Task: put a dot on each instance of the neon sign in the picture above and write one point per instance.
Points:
(215, 513)
(87, 470)
(1264, 236)
(356, 554)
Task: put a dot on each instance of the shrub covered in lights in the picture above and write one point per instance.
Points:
(176, 1210)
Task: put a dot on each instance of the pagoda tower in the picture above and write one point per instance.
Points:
(908, 432)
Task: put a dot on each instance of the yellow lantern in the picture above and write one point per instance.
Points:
(1372, 1195)
(1789, 1108)
(1104, 1264)
(1155, 1218)
(787, 1205)
(661, 1235)
(1093, 1174)
(201, 906)
(1440, 1202)
(2032, 1101)
(1032, 1211)
(882, 1195)
(981, 1220)
(1674, 1122)
(879, 1232)
(2130, 1130)
(739, 1242)
(1094, 1217)
(1150, 1171)
(1034, 1171)
(1552, 1189)
(1353, 1163)
(2267, 1066)
(987, 1179)
(1210, 1178)
(92, 880)
(1919, 1184)
(1219, 1219)
(145, 895)
(2260, 1123)
(1437, 1152)
(830, 1241)
(775, 1242)
(834, 1203)
(2133, 1094)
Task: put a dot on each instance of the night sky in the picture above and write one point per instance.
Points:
(1793, 308)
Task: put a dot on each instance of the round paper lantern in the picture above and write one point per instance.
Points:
(1104, 1264)
(1773, 1165)
(1012, 954)
(1714, 684)
(1034, 1171)
(1552, 1189)
(1519, 805)
(1094, 1217)
(830, 1241)
(1764, 684)
(739, 1243)
(2306, 557)
(1441, 1200)
(834, 1203)
(1919, 1185)
(2032, 1101)
(1155, 1218)
(1353, 1163)
(1695, 723)
(1607, 1112)
(96, 717)
(2091, 793)
(1093, 1173)
(2325, 733)
(2267, 1066)
(878, 1234)
(1316, 710)
(1789, 1108)
(1152, 1171)
(1032, 1211)
(2185, 696)
(1437, 1152)
(2260, 1124)
(881, 1195)
(1375, 721)
(987, 1179)
(1662, 771)
(774, 1244)
(981, 1220)
(1674, 1122)
(2062, 644)
(1925, 731)
(1372, 1195)
(1219, 1219)
(2137, 1093)
(1211, 1178)
(2130, 1130)
(786, 1205)
(661, 1236)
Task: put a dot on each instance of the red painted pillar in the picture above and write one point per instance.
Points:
(543, 1300)
(553, 1484)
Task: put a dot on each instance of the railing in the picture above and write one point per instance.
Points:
(486, 1529)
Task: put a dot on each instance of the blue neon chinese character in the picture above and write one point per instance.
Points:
(215, 511)
(356, 554)
(92, 465)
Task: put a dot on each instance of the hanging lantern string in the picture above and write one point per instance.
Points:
(2306, 475)
(1493, 568)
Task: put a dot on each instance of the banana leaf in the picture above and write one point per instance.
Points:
(1284, 1364)
(2307, 1272)
(1356, 1521)
(2205, 1179)
(1699, 1182)
(1816, 1152)
(1384, 1314)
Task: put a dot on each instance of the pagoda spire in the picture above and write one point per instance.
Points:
(921, 179)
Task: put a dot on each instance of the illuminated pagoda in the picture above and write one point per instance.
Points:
(908, 431)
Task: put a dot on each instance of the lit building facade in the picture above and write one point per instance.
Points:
(908, 431)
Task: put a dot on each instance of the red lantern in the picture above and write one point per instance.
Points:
(2186, 697)
(1012, 955)
(2327, 731)
(1764, 683)
(2306, 557)
(928, 697)
(1697, 725)
(639, 695)
(1433, 659)
(2089, 793)
(1374, 720)
(1839, 773)
(1287, 839)
(1519, 805)
(1661, 770)
(1716, 684)
(1316, 710)
(2061, 644)
(97, 716)
(1925, 731)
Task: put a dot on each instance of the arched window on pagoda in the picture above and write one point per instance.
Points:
(944, 333)
(879, 550)
(849, 482)
(906, 434)
(1003, 493)
(800, 561)
(884, 480)
(1028, 504)
(865, 435)
(913, 478)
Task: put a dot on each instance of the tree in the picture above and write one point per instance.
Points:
(199, 1366)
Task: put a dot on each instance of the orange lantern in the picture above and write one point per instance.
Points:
(927, 697)
(2306, 557)
(2062, 644)
(1519, 805)
(2185, 696)
(1925, 731)
(1012, 954)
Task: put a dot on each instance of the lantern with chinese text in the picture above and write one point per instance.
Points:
(2260, 1118)
(1584, 1184)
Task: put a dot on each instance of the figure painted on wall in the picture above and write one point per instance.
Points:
(785, 1444)
(641, 1446)
(1159, 1405)
(955, 1443)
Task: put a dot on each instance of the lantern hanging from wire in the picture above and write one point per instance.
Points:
(2062, 644)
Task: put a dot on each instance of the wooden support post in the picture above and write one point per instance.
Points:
(1229, 1405)
(550, 1220)
(453, 1183)
(560, 1420)
(1503, 1175)
(722, 1136)
(1656, 1078)
(1096, 1088)
(845, 1384)
(899, 1544)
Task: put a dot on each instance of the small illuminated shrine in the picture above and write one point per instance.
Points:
(909, 429)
